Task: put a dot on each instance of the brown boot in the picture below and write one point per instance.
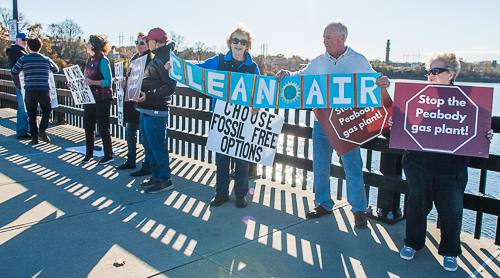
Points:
(44, 137)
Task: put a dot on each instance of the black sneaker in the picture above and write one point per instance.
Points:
(87, 159)
(25, 136)
(360, 220)
(318, 212)
(149, 182)
(241, 202)
(34, 140)
(160, 187)
(106, 160)
(139, 173)
(218, 200)
(124, 167)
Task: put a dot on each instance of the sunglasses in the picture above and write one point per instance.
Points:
(435, 71)
(24, 40)
(140, 42)
(236, 41)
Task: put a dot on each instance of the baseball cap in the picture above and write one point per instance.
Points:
(156, 34)
(21, 36)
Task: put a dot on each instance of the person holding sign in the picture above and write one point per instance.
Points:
(36, 68)
(156, 89)
(237, 59)
(337, 59)
(437, 178)
(98, 77)
(131, 116)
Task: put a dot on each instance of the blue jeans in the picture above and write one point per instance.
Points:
(353, 167)
(240, 176)
(22, 116)
(154, 139)
(447, 193)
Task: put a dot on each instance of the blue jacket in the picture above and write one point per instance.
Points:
(214, 63)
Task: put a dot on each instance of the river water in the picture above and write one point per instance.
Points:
(492, 185)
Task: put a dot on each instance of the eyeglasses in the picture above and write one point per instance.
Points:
(236, 41)
(140, 42)
(24, 40)
(435, 71)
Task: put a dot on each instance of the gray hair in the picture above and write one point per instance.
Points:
(340, 26)
(450, 62)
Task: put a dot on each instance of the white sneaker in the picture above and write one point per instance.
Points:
(450, 263)
(407, 253)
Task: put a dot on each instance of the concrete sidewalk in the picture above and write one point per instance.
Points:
(64, 219)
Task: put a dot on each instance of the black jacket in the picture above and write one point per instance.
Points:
(14, 52)
(156, 83)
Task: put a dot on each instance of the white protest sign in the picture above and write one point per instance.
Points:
(235, 132)
(80, 91)
(12, 26)
(53, 91)
(135, 79)
(119, 91)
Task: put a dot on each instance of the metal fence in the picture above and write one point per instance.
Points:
(190, 114)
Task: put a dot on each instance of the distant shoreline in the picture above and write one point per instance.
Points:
(460, 78)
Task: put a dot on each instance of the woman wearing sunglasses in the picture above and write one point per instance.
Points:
(239, 42)
(131, 116)
(436, 178)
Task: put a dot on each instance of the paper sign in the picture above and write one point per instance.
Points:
(53, 91)
(441, 118)
(135, 79)
(349, 128)
(80, 91)
(119, 91)
(235, 132)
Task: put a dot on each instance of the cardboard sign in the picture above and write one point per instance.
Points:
(235, 132)
(443, 119)
(349, 128)
(309, 91)
(119, 91)
(80, 91)
(134, 81)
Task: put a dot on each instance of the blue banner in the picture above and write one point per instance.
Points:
(297, 92)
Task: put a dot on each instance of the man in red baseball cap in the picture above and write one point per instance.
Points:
(156, 89)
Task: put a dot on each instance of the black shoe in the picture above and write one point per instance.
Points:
(106, 160)
(25, 136)
(44, 137)
(124, 166)
(34, 140)
(87, 159)
(360, 220)
(218, 200)
(149, 182)
(160, 187)
(139, 173)
(241, 202)
(318, 212)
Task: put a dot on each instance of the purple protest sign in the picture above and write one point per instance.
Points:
(441, 118)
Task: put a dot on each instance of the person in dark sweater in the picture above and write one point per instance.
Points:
(36, 69)
(14, 52)
(98, 77)
(436, 178)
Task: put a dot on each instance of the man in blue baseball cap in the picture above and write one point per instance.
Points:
(14, 52)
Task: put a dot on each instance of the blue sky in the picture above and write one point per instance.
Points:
(416, 28)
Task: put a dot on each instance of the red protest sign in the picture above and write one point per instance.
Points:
(349, 128)
(442, 118)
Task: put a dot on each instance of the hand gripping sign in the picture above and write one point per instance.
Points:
(441, 118)
(308, 91)
(80, 91)
(349, 128)
(235, 132)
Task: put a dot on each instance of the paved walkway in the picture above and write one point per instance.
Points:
(64, 219)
